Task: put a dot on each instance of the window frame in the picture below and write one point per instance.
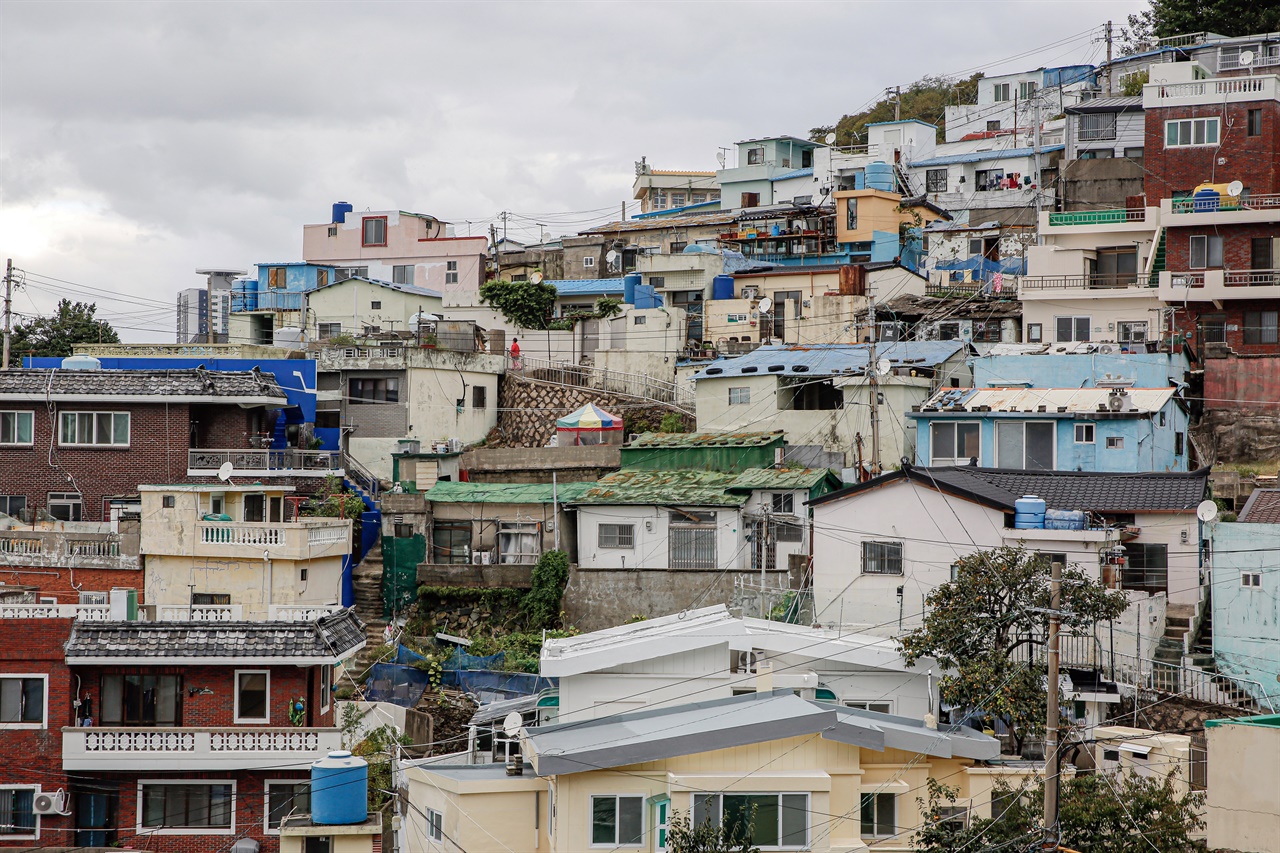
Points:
(884, 558)
(44, 716)
(617, 822)
(863, 705)
(435, 825)
(934, 459)
(1205, 121)
(588, 262)
(740, 395)
(1026, 425)
(1001, 92)
(63, 499)
(936, 180)
(696, 531)
(1209, 251)
(479, 397)
(8, 502)
(1126, 328)
(602, 540)
(782, 503)
(403, 273)
(1259, 332)
(1114, 442)
(1096, 127)
(1253, 122)
(1035, 333)
(876, 817)
(142, 829)
(518, 532)
(122, 720)
(365, 222)
(1250, 579)
(35, 790)
(16, 417)
(326, 687)
(328, 330)
(1089, 428)
(266, 800)
(237, 718)
(1075, 328)
(77, 414)
(717, 813)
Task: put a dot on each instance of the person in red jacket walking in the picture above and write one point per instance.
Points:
(515, 354)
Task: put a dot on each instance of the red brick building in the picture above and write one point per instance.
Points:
(164, 736)
(75, 444)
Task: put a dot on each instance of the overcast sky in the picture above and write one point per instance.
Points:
(139, 141)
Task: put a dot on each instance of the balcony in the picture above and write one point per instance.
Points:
(295, 540)
(1098, 217)
(1219, 285)
(236, 612)
(1226, 210)
(158, 749)
(1091, 286)
(1216, 91)
(1132, 219)
(83, 612)
(945, 288)
(265, 463)
(60, 549)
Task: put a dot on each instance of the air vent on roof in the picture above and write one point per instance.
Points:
(751, 369)
(799, 368)
(776, 368)
(713, 371)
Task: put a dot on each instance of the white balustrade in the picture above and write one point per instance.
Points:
(241, 534)
(194, 749)
(326, 535)
(265, 740)
(200, 613)
(84, 612)
(300, 612)
(154, 740)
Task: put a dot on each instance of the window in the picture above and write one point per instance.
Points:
(329, 330)
(1179, 443)
(208, 599)
(169, 501)
(1261, 327)
(1262, 256)
(479, 396)
(518, 543)
(1252, 580)
(1132, 332)
(677, 199)
(284, 799)
(1253, 123)
(657, 281)
(739, 396)
(322, 278)
(254, 508)
(954, 443)
(167, 805)
(879, 811)
(66, 506)
(344, 273)
(1115, 442)
(141, 700)
(451, 272)
(451, 542)
(252, 696)
(755, 156)
(1035, 333)
(863, 705)
(92, 598)
(1085, 433)
(955, 818)
(435, 825)
(588, 262)
(18, 812)
(641, 320)
(318, 844)
(657, 199)
(16, 427)
(692, 540)
(1206, 251)
(750, 200)
(13, 505)
(698, 198)
(1146, 567)
(1134, 153)
(787, 531)
(993, 126)
(326, 686)
(882, 558)
(678, 246)
(617, 821)
(375, 231)
(1000, 92)
(616, 536)
(277, 278)
(783, 502)
(374, 389)
(988, 179)
(375, 305)
(1070, 329)
(402, 274)
(935, 180)
(1095, 126)
(109, 429)
(1190, 131)
(1027, 89)
(1027, 445)
(781, 820)
(1213, 328)
(22, 701)
(851, 215)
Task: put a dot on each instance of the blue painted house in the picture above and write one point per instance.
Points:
(283, 286)
(581, 294)
(1246, 598)
(1055, 429)
(1081, 370)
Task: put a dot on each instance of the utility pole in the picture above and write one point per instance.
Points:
(624, 213)
(1052, 750)
(897, 103)
(873, 374)
(8, 312)
(497, 258)
(1036, 151)
(208, 310)
(1109, 73)
(504, 225)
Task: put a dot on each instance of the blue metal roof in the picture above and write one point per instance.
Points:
(295, 264)
(828, 359)
(654, 214)
(979, 156)
(798, 173)
(587, 286)
(403, 288)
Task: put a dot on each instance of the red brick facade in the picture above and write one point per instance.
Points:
(1237, 244)
(1252, 160)
(65, 584)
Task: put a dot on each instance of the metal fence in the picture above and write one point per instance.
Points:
(603, 379)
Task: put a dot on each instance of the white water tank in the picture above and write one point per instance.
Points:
(289, 337)
(81, 362)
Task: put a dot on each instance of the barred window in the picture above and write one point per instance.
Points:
(616, 535)
(882, 558)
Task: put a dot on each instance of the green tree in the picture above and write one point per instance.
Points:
(1132, 85)
(541, 604)
(1167, 18)
(986, 628)
(926, 100)
(524, 303)
(73, 323)
(706, 837)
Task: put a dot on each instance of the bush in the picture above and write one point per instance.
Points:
(541, 605)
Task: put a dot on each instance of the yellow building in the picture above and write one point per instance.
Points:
(861, 213)
(820, 777)
(229, 551)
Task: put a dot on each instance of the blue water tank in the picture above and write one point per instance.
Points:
(630, 282)
(722, 287)
(880, 176)
(339, 789)
(1028, 513)
(1064, 519)
(859, 181)
(340, 211)
(1206, 201)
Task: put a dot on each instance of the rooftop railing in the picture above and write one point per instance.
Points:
(1098, 217)
(283, 461)
(1223, 204)
(1085, 282)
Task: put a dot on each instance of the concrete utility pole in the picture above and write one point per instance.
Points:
(897, 103)
(1053, 760)
(873, 375)
(497, 262)
(1109, 75)
(8, 312)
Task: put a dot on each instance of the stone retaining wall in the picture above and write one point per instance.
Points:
(528, 410)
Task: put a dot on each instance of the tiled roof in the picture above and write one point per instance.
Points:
(195, 382)
(1263, 507)
(504, 493)
(329, 638)
(828, 359)
(780, 478)
(1074, 490)
(706, 439)
(666, 488)
(932, 308)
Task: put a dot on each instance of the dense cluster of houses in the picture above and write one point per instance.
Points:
(875, 354)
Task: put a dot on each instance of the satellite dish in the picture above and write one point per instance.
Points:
(1234, 189)
(830, 139)
(720, 159)
(765, 305)
(611, 256)
(536, 277)
(512, 724)
(883, 366)
(1246, 58)
(1207, 512)
(224, 471)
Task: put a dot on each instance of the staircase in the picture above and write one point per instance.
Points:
(904, 180)
(640, 386)
(1156, 263)
(367, 582)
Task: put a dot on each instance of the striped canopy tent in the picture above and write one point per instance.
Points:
(588, 425)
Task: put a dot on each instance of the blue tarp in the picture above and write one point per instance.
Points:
(985, 269)
(399, 685)
(491, 685)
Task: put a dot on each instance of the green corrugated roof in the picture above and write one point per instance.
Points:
(673, 488)
(504, 493)
(780, 478)
(1269, 720)
(707, 439)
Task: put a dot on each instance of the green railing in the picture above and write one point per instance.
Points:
(1098, 217)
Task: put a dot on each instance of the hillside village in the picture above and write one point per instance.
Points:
(584, 543)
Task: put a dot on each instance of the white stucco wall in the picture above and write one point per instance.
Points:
(651, 545)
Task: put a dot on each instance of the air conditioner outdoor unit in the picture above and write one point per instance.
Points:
(748, 659)
(54, 803)
(476, 557)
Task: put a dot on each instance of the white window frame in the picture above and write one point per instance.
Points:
(719, 812)
(875, 821)
(784, 500)
(142, 830)
(266, 801)
(742, 397)
(44, 721)
(1126, 328)
(403, 273)
(1001, 89)
(63, 500)
(617, 536)
(1087, 428)
(864, 705)
(326, 686)
(235, 709)
(1206, 122)
(588, 262)
(617, 823)
(94, 414)
(1251, 580)
(31, 427)
(952, 460)
(522, 531)
(1115, 442)
(435, 825)
(36, 791)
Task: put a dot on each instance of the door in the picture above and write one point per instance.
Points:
(95, 818)
(255, 507)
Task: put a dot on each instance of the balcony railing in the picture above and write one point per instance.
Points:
(241, 534)
(56, 548)
(266, 461)
(945, 288)
(1252, 278)
(195, 748)
(1081, 282)
(295, 540)
(1217, 204)
(199, 613)
(300, 612)
(83, 612)
(1098, 217)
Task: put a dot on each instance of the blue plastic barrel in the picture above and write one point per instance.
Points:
(1064, 519)
(880, 176)
(1028, 513)
(339, 789)
(340, 211)
(1206, 201)
(722, 287)
(629, 283)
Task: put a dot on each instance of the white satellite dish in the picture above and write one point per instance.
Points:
(224, 471)
(611, 256)
(1246, 58)
(1235, 188)
(765, 305)
(830, 139)
(1207, 511)
(883, 366)
(512, 724)
(720, 159)
(536, 277)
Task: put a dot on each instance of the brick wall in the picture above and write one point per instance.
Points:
(227, 426)
(1187, 320)
(1237, 245)
(1252, 160)
(66, 584)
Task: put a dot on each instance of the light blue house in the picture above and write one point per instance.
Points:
(283, 286)
(1081, 370)
(580, 295)
(1054, 429)
(1246, 604)
(768, 171)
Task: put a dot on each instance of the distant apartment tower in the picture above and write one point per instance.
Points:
(196, 316)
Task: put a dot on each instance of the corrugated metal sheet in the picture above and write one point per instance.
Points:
(707, 439)
(780, 478)
(666, 488)
(504, 493)
(587, 286)
(828, 359)
(979, 156)
(1053, 400)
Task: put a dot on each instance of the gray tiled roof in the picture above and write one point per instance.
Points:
(194, 382)
(1263, 507)
(330, 637)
